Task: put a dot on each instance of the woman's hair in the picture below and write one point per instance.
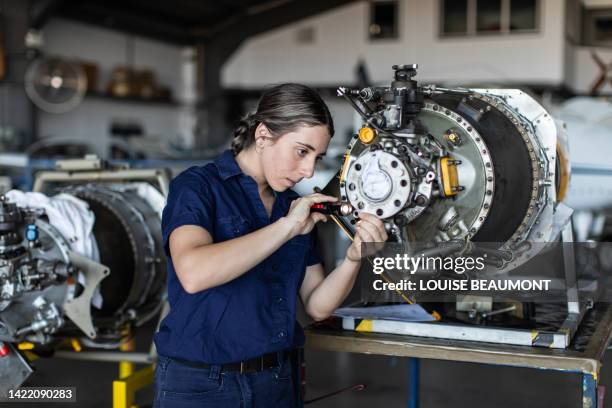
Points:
(282, 109)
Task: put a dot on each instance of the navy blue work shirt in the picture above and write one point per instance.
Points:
(253, 314)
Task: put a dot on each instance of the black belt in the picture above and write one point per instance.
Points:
(256, 364)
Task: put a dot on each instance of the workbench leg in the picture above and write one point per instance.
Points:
(589, 391)
(413, 382)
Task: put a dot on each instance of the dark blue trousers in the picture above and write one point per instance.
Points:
(178, 385)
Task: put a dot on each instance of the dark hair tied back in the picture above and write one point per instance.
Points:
(282, 109)
(243, 133)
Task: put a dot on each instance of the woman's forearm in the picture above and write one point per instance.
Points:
(211, 265)
(332, 291)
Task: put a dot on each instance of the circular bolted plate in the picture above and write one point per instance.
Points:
(374, 183)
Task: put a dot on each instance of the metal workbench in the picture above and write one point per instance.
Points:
(584, 355)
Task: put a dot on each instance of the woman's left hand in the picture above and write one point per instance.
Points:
(370, 231)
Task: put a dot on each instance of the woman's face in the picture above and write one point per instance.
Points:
(287, 159)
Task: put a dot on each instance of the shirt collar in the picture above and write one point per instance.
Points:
(227, 166)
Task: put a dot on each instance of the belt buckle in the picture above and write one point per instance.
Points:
(247, 366)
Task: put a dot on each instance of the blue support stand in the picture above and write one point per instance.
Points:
(413, 382)
(589, 391)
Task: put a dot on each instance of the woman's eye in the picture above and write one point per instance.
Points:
(302, 152)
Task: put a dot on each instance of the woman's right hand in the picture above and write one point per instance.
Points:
(300, 218)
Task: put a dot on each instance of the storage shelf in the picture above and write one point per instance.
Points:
(111, 98)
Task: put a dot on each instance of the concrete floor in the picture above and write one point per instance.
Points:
(443, 383)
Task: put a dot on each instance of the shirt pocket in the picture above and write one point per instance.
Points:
(232, 226)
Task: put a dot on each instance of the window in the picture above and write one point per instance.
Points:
(455, 17)
(383, 19)
(598, 27)
(481, 17)
(603, 29)
(488, 16)
(523, 15)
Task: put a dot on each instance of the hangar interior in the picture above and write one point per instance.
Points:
(470, 127)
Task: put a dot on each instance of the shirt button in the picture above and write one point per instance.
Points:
(281, 334)
(280, 299)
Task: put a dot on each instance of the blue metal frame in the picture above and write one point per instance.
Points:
(589, 391)
(589, 385)
(413, 382)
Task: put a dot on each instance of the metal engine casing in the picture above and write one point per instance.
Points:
(46, 289)
(439, 165)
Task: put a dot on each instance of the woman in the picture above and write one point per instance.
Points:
(241, 247)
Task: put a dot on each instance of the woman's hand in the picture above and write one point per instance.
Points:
(371, 232)
(300, 219)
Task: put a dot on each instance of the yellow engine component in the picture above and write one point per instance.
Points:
(367, 135)
(564, 172)
(344, 166)
(25, 345)
(76, 345)
(450, 179)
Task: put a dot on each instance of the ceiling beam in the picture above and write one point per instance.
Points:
(137, 22)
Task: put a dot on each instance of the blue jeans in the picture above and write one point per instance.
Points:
(178, 385)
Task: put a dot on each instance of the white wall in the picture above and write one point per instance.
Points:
(341, 40)
(585, 71)
(91, 120)
(597, 3)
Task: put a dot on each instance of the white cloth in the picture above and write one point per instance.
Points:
(72, 217)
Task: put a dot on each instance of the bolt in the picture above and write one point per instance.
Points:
(421, 200)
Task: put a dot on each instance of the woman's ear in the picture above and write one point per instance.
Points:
(262, 135)
(261, 132)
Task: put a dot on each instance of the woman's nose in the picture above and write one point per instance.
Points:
(308, 169)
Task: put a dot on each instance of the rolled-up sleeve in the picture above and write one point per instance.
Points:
(190, 202)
